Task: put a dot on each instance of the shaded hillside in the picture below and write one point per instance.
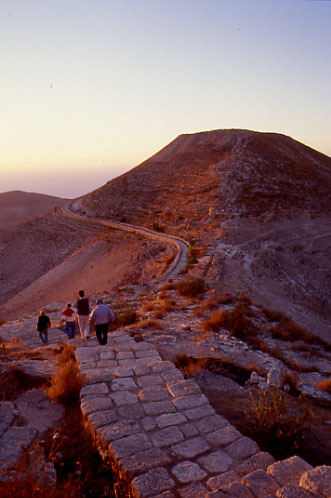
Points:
(17, 207)
(259, 173)
(257, 203)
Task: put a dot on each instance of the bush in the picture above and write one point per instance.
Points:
(191, 287)
(234, 321)
(278, 424)
(66, 383)
(190, 365)
(124, 318)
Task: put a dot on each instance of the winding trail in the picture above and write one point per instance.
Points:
(180, 244)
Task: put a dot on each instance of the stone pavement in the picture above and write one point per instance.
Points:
(165, 439)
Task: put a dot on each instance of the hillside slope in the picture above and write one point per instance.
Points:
(257, 203)
(17, 207)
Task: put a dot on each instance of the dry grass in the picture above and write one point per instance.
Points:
(148, 324)
(66, 383)
(191, 287)
(279, 424)
(324, 385)
(189, 365)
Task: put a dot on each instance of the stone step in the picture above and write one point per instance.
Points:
(161, 433)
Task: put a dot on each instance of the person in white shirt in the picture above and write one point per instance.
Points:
(102, 315)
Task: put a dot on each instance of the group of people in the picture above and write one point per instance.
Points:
(82, 314)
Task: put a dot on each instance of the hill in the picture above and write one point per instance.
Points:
(257, 204)
(17, 207)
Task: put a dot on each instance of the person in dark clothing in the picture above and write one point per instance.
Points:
(84, 309)
(42, 326)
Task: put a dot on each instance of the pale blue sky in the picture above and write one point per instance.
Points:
(90, 88)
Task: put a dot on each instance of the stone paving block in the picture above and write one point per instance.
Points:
(158, 407)
(100, 388)
(118, 429)
(122, 398)
(123, 384)
(200, 412)
(224, 436)
(194, 490)
(130, 445)
(223, 480)
(98, 419)
(130, 363)
(188, 472)
(86, 354)
(150, 380)
(184, 388)
(92, 404)
(166, 494)
(190, 448)
(260, 460)
(242, 448)
(219, 461)
(161, 366)
(107, 364)
(148, 353)
(148, 424)
(170, 419)
(293, 491)
(153, 393)
(93, 376)
(189, 430)
(289, 471)
(167, 436)
(317, 481)
(211, 423)
(154, 481)
(141, 370)
(143, 461)
(107, 355)
(124, 355)
(135, 411)
(260, 483)
(187, 402)
(235, 490)
(172, 376)
(123, 372)
(143, 346)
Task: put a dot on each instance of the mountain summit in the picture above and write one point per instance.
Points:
(258, 204)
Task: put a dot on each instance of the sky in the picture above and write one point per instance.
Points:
(91, 88)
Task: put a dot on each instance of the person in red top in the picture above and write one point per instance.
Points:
(69, 317)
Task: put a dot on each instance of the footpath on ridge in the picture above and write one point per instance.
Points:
(164, 438)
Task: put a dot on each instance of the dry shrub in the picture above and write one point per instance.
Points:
(148, 307)
(67, 354)
(190, 365)
(198, 312)
(279, 424)
(125, 317)
(191, 287)
(287, 330)
(66, 383)
(217, 320)
(324, 385)
(273, 316)
(234, 321)
(158, 314)
(169, 286)
(291, 379)
(146, 324)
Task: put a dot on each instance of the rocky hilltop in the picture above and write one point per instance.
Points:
(18, 207)
(257, 203)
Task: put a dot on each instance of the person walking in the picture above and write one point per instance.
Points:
(69, 317)
(84, 309)
(42, 327)
(102, 315)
